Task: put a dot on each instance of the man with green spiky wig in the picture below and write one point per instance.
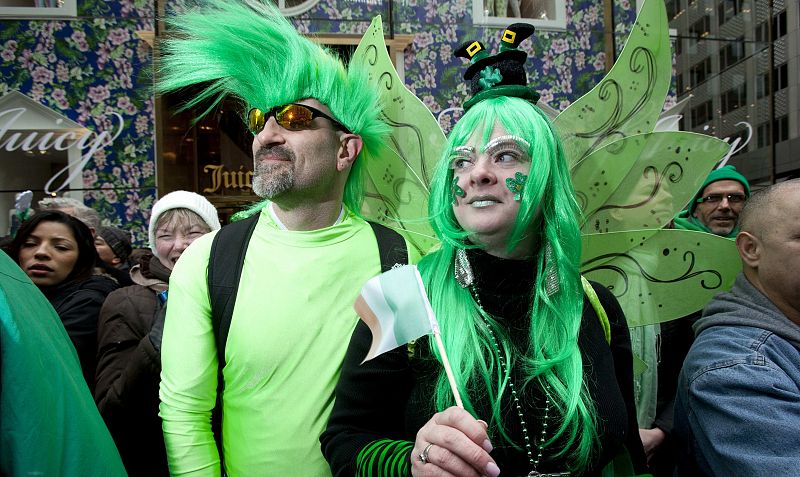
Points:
(315, 124)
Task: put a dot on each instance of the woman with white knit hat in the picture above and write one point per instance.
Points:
(129, 334)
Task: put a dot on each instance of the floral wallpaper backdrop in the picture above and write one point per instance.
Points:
(565, 64)
(94, 65)
(88, 68)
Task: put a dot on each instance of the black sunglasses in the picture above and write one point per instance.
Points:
(292, 116)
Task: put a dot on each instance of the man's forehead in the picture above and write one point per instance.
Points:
(315, 103)
(724, 187)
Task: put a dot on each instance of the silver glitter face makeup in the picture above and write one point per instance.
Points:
(508, 143)
(459, 154)
(503, 152)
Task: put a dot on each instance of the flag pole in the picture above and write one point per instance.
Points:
(438, 338)
(447, 369)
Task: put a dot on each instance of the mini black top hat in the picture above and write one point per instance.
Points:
(503, 74)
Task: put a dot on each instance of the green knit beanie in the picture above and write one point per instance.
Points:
(725, 173)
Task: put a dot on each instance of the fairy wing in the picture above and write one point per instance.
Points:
(631, 181)
(629, 99)
(398, 182)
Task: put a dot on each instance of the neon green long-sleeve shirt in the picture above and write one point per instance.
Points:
(290, 329)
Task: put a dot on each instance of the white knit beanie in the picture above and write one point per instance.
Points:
(181, 199)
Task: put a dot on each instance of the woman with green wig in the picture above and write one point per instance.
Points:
(540, 357)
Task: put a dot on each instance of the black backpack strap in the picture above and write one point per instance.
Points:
(225, 263)
(391, 246)
(224, 275)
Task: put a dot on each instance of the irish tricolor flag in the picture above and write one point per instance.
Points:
(396, 308)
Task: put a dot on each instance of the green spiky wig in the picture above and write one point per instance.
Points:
(248, 50)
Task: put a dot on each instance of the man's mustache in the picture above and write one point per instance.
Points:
(280, 153)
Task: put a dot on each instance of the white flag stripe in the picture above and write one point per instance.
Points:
(373, 296)
(426, 302)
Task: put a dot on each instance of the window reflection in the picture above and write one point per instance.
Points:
(533, 9)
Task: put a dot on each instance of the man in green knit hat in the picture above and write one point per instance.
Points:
(716, 206)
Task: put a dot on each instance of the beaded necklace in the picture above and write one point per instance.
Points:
(534, 462)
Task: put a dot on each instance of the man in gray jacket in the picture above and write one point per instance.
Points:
(738, 406)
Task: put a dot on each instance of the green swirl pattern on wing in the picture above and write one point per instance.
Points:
(660, 275)
(642, 181)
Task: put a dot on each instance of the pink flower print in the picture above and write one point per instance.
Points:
(60, 97)
(123, 102)
(58, 94)
(42, 75)
(109, 193)
(142, 124)
(132, 207)
(423, 40)
(103, 54)
(89, 178)
(546, 96)
(62, 72)
(559, 46)
(79, 38)
(98, 94)
(118, 36)
(148, 168)
(37, 92)
(446, 51)
(25, 59)
(99, 159)
(431, 103)
(580, 59)
(600, 61)
(583, 41)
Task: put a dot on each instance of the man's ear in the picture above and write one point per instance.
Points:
(749, 247)
(116, 260)
(351, 146)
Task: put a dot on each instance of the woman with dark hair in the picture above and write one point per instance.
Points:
(57, 252)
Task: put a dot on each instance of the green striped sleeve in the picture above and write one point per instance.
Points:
(384, 458)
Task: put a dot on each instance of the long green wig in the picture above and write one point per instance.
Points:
(248, 50)
(548, 210)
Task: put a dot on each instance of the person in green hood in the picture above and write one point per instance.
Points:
(716, 206)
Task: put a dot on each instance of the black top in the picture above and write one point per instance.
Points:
(390, 397)
(78, 305)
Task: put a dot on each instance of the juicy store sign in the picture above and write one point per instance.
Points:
(88, 143)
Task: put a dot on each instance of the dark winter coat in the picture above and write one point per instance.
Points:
(129, 367)
(78, 305)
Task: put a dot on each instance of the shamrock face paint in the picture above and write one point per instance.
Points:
(517, 185)
(456, 190)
